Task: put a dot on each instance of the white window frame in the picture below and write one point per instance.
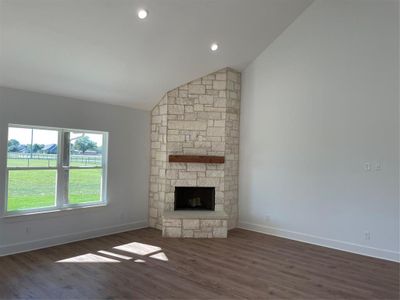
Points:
(61, 195)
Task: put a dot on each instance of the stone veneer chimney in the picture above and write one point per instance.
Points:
(198, 118)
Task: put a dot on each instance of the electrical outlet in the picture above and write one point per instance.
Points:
(367, 235)
(367, 166)
(378, 166)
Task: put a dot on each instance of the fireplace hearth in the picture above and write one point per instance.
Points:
(194, 198)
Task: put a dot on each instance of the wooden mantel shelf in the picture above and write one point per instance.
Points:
(205, 159)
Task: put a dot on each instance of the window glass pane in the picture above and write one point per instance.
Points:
(29, 147)
(85, 149)
(84, 185)
(30, 189)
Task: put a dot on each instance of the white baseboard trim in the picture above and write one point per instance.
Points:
(325, 242)
(69, 238)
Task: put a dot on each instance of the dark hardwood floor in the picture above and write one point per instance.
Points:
(246, 265)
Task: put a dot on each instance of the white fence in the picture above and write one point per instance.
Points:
(81, 159)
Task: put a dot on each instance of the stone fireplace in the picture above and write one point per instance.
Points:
(195, 157)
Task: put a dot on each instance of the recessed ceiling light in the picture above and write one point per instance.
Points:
(142, 14)
(214, 47)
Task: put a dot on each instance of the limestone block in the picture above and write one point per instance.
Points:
(186, 182)
(175, 138)
(183, 93)
(198, 107)
(163, 109)
(191, 224)
(220, 232)
(206, 82)
(176, 109)
(170, 197)
(183, 87)
(210, 223)
(190, 116)
(174, 147)
(177, 166)
(197, 89)
(216, 173)
(152, 222)
(219, 207)
(189, 108)
(154, 187)
(153, 212)
(234, 76)
(155, 145)
(172, 93)
(215, 109)
(156, 119)
(219, 85)
(220, 76)
(202, 144)
(219, 123)
(156, 111)
(195, 151)
(208, 181)
(209, 115)
(172, 232)
(172, 174)
(188, 125)
(187, 175)
(172, 223)
(196, 167)
(206, 99)
(216, 131)
(187, 233)
(218, 146)
(211, 91)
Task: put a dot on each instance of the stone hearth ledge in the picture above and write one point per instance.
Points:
(195, 224)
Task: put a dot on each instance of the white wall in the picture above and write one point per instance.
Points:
(316, 105)
(127, 171)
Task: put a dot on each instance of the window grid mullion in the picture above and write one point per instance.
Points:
(60, 179)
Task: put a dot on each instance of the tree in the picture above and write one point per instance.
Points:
(35, 148)
(84, 143)
(13, 145)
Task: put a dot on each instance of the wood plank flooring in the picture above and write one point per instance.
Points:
(144, 265)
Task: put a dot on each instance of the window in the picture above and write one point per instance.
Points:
(53, 168)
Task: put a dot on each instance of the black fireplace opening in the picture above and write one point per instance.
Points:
(194, 198)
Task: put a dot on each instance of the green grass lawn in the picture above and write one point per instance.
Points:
(29, 189)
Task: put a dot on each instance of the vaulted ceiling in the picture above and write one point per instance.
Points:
(99, 50)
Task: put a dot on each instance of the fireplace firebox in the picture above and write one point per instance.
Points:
(194, 198)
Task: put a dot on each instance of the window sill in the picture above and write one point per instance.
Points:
(52, 212)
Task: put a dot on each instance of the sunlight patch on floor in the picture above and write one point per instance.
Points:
(138, 248)
(88, 258)
(160, 256)
(135, 248)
